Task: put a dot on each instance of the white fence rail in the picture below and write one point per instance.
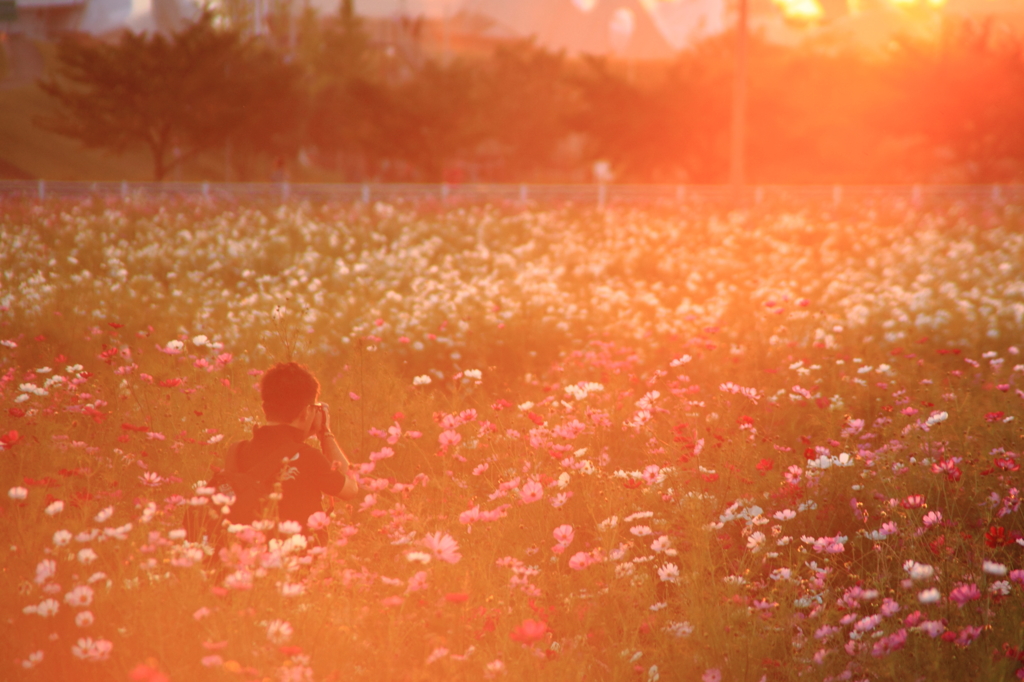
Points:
(585, 195)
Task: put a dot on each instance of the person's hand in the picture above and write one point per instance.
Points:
(322, 423)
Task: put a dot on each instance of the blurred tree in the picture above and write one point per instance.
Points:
(671, 126)
(176, 96)
(433, 118)
(526, 100)
(960, 102)
(350, 103)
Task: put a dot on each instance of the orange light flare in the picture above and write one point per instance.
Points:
(909, 4)
(800, 10)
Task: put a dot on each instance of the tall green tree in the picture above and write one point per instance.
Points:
(176, 96)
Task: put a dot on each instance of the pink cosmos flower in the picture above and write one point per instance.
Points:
(962, 594)
(46, 569)
(669, 573)
(711, 675)
(279, 632)
(563, 535)
(494, 668)
(531, 492)
(470, 515)
(889, 607)
(559, 499)
(449, 437)
(89, 650)
(417, 582)
(967, 635)
(212, 661)
(442, 546)
(318, 521)
(33, 659)
(889, 644)
(529, 631)
(79, 597)
(580, 560)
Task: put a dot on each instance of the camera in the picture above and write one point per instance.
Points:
(325, 413)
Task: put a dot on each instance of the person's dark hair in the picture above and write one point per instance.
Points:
(286, 388)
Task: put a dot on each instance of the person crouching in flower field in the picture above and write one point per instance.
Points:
(279, 450)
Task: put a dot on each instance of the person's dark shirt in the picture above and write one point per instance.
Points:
(305, 477)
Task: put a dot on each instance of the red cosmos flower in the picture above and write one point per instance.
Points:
(996, 536)
(529, 631)
(16, 412)
(456, 597)
(995, 416)
(170, 383)
(10, 438)
(147, 672)
(765, 465)
(1007, 464)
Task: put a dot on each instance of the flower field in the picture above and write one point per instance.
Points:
(682, 444)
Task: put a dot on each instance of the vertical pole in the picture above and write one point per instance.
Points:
(366, 193)
(837, 195)
(444, 192)
(737, 166)
(680, 193)
(293, 30)
(124, 189)
(523, 193)
(206, 190)
(602, 190)
(41, 186)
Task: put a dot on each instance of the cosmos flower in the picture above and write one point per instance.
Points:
(442, 546)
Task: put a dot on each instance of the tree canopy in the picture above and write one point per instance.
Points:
(177, 96)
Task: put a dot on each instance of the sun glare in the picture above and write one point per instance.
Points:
(800, 10)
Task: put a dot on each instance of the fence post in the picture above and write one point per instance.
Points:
(758, 194)
(444, 192)
(837, 195)
(366, 193)
(206, 190)
(915, 194)
(997, 194)
(680, 193)
(285, 191)
(522, 193)
(124, 189)
(601, 196)
(41, 189)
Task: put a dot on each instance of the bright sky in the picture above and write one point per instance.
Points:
(603, 25)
